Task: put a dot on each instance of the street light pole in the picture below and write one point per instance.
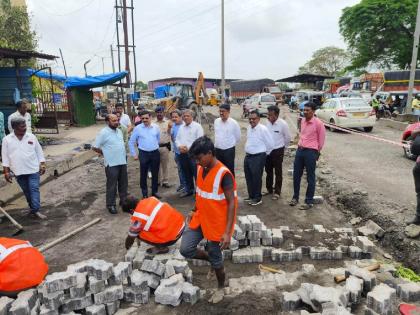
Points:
(413, 62)
(223, 49)
(84, 66)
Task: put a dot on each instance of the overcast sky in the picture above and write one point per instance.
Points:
(263, 38)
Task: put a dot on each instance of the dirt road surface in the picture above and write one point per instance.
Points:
(357, 176)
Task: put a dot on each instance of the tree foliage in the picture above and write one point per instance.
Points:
(141, 85)
(15, 30)
(379, 32)
(329, 61)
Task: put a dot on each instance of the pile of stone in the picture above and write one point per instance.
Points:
(97, 287)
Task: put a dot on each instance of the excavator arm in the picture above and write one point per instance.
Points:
(199, 87)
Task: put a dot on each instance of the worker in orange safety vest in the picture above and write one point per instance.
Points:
(153, 222)
(22, 266)
(215, 209)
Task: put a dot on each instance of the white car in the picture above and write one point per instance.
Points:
(348, 112)
(261, 102)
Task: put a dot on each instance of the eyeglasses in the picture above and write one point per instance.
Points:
(252, 119)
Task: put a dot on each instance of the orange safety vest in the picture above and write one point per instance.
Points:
(211, 205)
(160, 223)
(21, 265)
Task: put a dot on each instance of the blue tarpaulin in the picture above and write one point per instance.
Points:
(87, 82)
(161, 91)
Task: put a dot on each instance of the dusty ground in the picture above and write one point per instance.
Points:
(353, 164)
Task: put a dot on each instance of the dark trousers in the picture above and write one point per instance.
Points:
(189, 167)
(416, 174)
(227, 157)
(274, 164)
(116, 178)
(305, 159)
(149, 160)
(254, 168)
(29, 184)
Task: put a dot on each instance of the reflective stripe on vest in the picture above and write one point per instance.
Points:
(149, 218)
(4, 252)
(216, 184)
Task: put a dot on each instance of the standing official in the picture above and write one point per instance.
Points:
(110, 143)
(227, 135)
(21, 112)
(176, 117)
(23, 157)
(280, 133)
(311, 141)
(125, 119)
(187, 134)
(258, 144)
(164, 145)
(146, 137)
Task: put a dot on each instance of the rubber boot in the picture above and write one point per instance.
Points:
(221, 276)
(201, 254)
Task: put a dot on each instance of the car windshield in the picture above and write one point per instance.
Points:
(268, 98)
(175, 90)
(350, 103)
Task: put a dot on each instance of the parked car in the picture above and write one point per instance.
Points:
(407, 138)
(311, 96)
(261, 102)
(348, 112)
(350, 94)
(246, 106)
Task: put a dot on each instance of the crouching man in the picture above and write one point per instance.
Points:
(153, 222)
(215, 209)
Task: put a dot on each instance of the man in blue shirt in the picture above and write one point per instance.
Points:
(176, 117)
(110, 144)
(146, 137)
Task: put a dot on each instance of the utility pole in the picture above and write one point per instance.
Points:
(413, 62)
(127, 54)
(223, 49)
(112, 59)
(84, 66)
(120, 90)
(62, 59)
(134, 47)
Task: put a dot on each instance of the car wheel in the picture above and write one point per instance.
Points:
(332, 122)
(367, 129)
(407, 150)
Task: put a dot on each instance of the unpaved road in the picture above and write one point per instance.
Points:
(79, 196)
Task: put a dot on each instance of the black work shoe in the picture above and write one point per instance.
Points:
(255, 202)
(112, 210)
(293, 202)
(248, 199)
(416, 221)
(185, 194)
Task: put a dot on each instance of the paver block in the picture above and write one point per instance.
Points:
(371, 229)
(266, 233)
(109, 295)
(24, 302)
(234, 244)
(96, 310)
(112, 308)
(190, 293)
(53, 300)
(152, 279)
(242, 256)
(100, 269)
(238, 234)
(382, 299)
(369, 311)
(322, 253)
(138, 297)
(76, 304)
(169, 271)
(169, 295)
(409, 292)
(188, 275)
(308, 269)
(365, 244)
(344, 230)
(43, 310)
(153, 266)
(254, 235)
(330, 308)
(95, 285)
(5, 304)
(369, 278)
(355, 252)
(244, 223)
(138, 259)
(255, 243)
(355, 286)
(59, 281)
(319, 228)
(79, 290)
(256, 224)
(120, 272)
(227, 254)
(139, 281)
(178, 265)
(131, 253)
(277, 237)
(267, 241)
(280, 255)
(290, 301)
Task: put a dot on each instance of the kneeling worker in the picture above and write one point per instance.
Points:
(153, 222)
(215, 209)
(21, 266)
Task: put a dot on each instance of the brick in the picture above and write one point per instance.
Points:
(267, 241)
(152, 279)
(96, 310)
(256, 224)
(319, 228)
(24, 302)
(109, 295)
(242, 256)
(79, 290)
(234, 244)
(371, 229)
(355, 286)
(53, 300)
(131, 253)
(169, 291)
(178, 265)
(322, 253)
(409, 292)
(244, 223)
(277, 237)
(280, 255)
(138, 259)
(153, 266)
(238, 234)
(81, 266)
(369, 278)
(95, 285)
(257, 255)
(112, 308)
(138, 297)
(139, 282)
(382, 299)
(243, 242)
(120, 272)
(59, 281)
(254, 235)
(100, 269)
(365, 244)
(355, 252)
(266, 233)
(255, 243)
(169, 271)
(190, 293)
(290, 301)
(43, 310)
(76, 304)
(330, 308)
(5, 304)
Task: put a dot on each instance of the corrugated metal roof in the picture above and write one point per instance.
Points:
(23, 54)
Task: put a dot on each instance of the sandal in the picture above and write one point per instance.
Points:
(293, 202)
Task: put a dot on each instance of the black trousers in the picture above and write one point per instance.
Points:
(189, 167)
(416, 174)
(274, 164)
(116, 178)
(149, 160)
(254, 168)
(227, 157)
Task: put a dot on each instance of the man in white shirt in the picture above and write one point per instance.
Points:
(22, 111)
(281, 137)
(23, 158)
(259, 144)
(124, 119)
(227, 135)
(187, 134)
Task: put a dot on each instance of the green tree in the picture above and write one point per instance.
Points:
(329, 61)
(140, 85)
(379, 32)
(15, 30)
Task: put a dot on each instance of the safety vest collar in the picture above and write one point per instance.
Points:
(149, 218)
(5, 252)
